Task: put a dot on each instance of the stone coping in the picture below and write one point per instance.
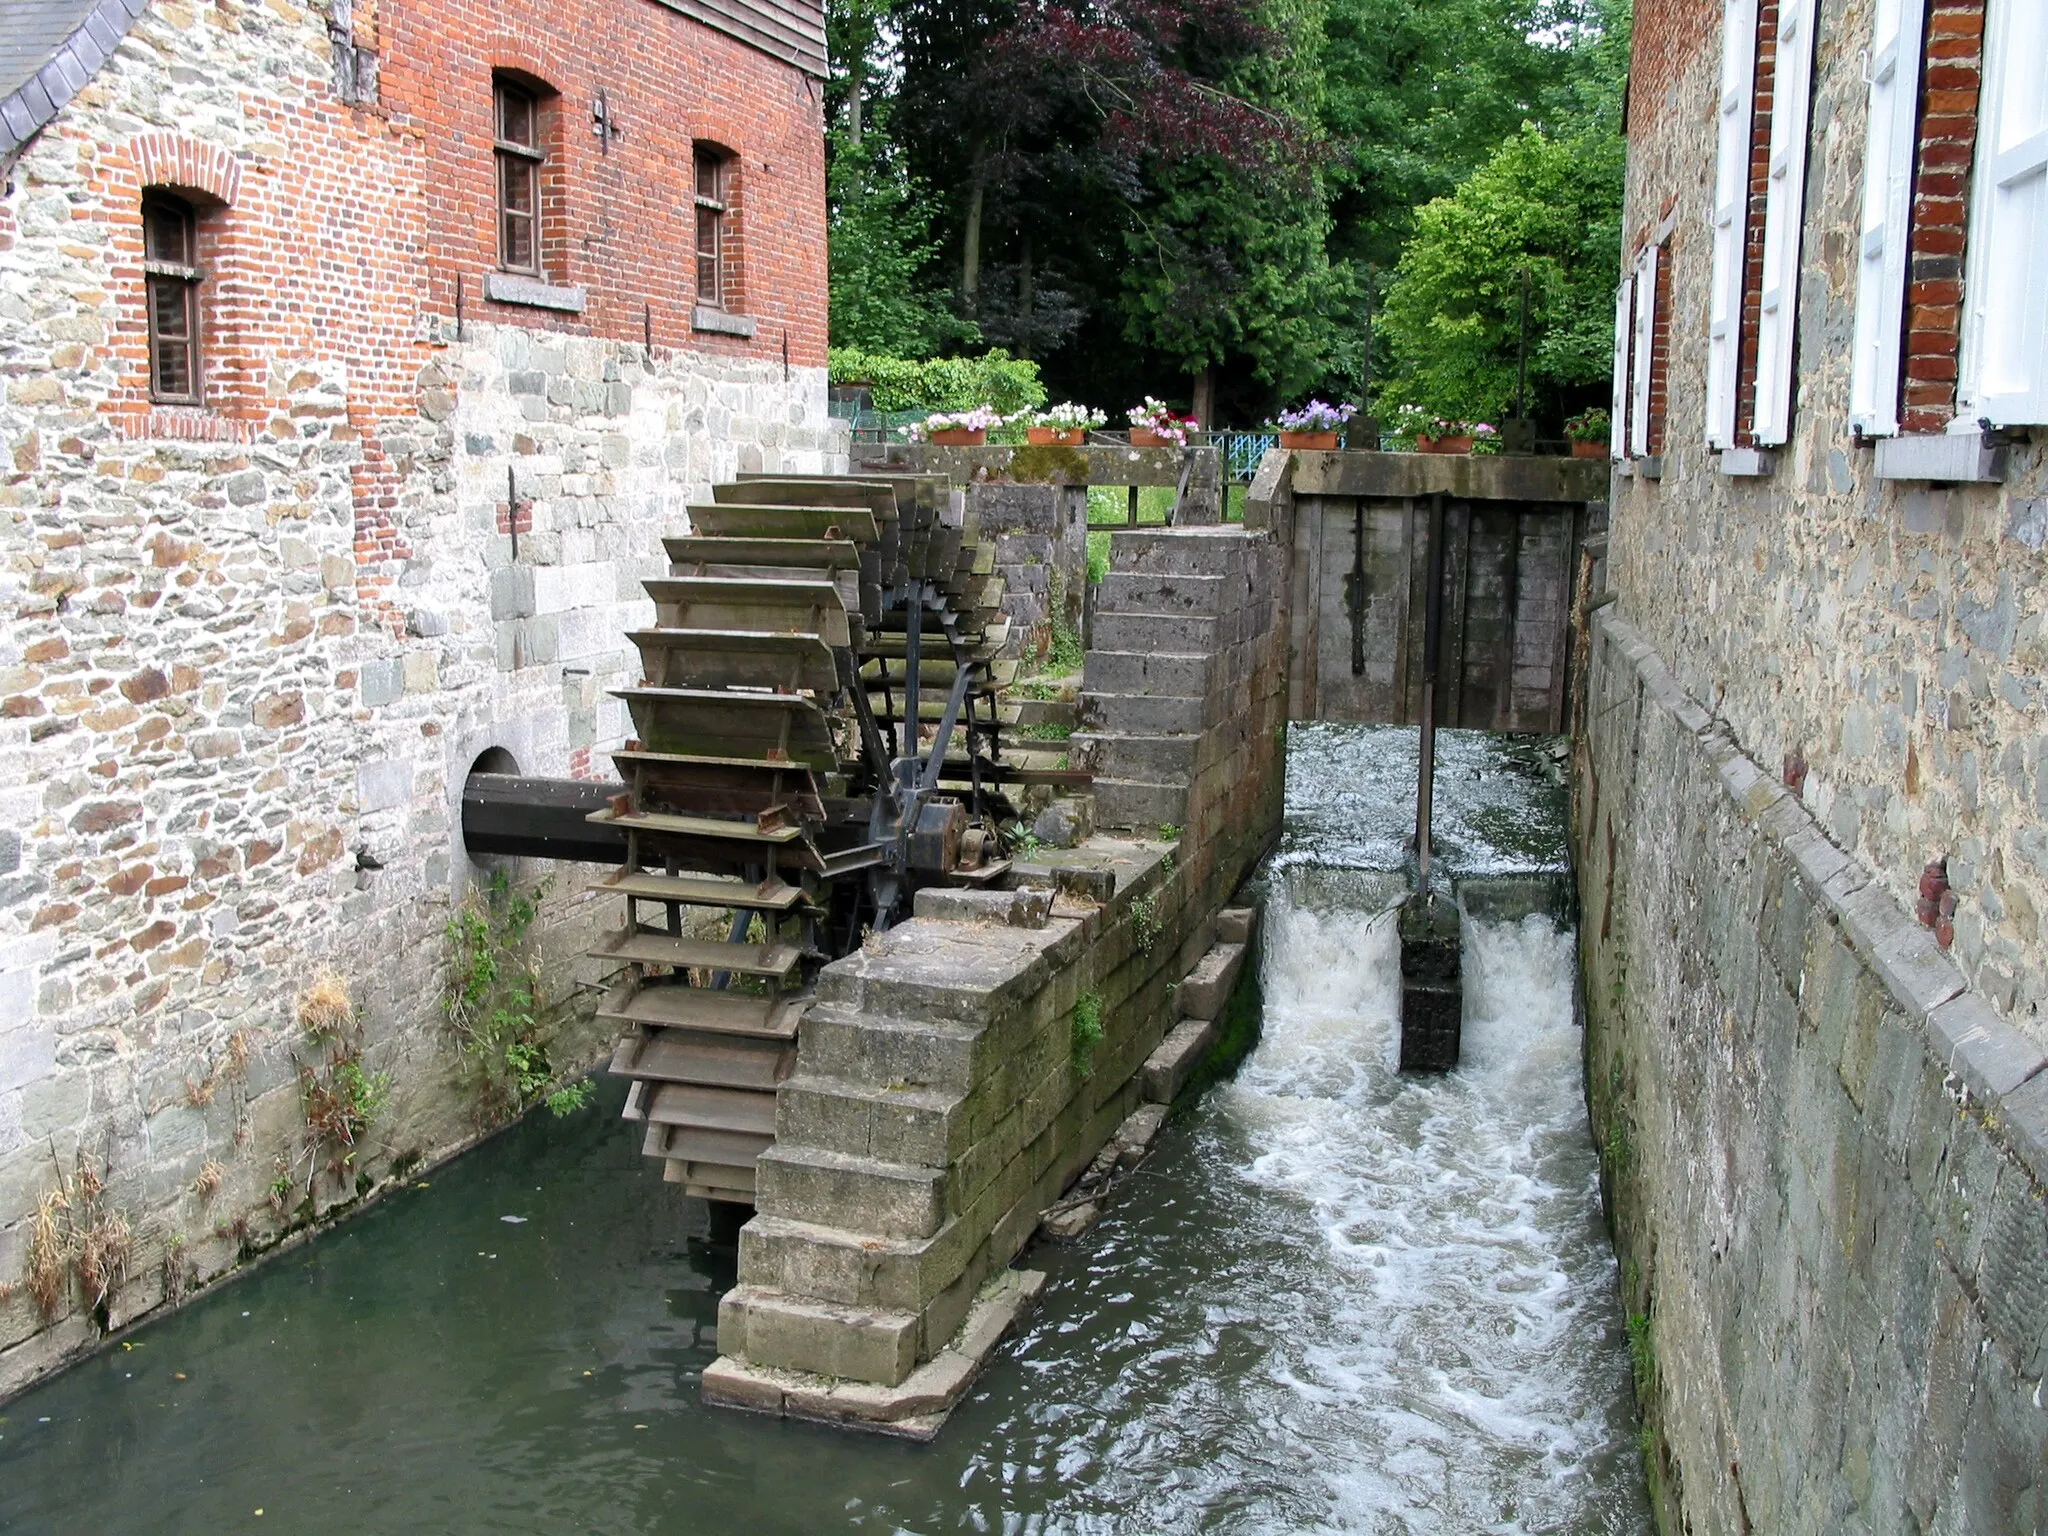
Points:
(1498, 477)
(2001, 1072)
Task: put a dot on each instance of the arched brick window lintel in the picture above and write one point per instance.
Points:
(179, 163)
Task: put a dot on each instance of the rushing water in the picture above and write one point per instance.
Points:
(1333, 1300)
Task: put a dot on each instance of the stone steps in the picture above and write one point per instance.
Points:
(1148, 714)
(1111, 671)
(1134, 803)
(1176, 593)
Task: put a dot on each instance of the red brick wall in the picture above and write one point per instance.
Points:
(1753, 227)
(1941, 211)
(624, 222)
(1668, 35)
(1660, 346)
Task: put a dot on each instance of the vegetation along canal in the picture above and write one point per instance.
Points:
(1334, 1299)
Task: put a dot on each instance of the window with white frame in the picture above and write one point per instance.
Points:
(2004, 366)
(1730, 217)
(1784, 218)
(1643, 351)
(1891, 137)
(1624, 335)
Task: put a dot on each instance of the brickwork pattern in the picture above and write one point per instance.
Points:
(1751, 309)
(1954, 74)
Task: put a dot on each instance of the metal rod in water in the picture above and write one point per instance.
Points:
(1432, 634)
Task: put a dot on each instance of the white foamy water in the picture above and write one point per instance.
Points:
(1340, 1299)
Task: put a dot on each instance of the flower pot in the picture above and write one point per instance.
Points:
(1145, 437)
(1593, 450)
(959, 437)
(1056, 437)
(1325, 441)
(1426, 444)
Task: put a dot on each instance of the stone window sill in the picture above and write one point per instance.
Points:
(511, 288)
(1651, 466)
(1952, 457)
(704, 318)
(1747, 463)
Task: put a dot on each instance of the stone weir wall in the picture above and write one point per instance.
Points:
(1826, 1157)
(228, 764)
(961, 1070)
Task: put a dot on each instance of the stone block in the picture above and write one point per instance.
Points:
(1974, 1043)
(380, 682)
(771, 1329)
(1014, 909)
(1146, 759)
(1154, 634)
(833, 1189)
(1066, 823)
(2025, 1114)
(1137, 672)
(1143, 714)
(1177, 593)
(1205, 991)
(382, 786)
(1234, 925)
(1169, 1067)
(1173, 551)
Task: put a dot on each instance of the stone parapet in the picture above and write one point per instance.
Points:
(1826, 1158)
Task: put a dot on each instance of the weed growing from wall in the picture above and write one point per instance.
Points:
(341, 1100)
(77, 1238)
(495, 1010)
(1086, 1032)
(1145, 923)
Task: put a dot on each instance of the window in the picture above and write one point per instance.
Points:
(1643, 353)
(1624, 333)
(2004, 372)
(712, 287)
(1731, 218)
(1894, 73)
(1784, 221)
(519, 162)
(170, 264)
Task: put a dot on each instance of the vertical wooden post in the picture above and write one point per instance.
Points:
(1432, 637)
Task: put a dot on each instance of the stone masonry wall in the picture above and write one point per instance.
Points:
(1826, 1158)
(250, 651)
(1891, 636)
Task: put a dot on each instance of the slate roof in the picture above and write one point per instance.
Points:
(49, 49)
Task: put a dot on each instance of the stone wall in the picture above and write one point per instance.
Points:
(250, 650)
(1887, 638)
(1825, 1157)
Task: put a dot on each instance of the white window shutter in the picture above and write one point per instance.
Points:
(1784, 216)
(2004, 375)
(1624, 325)
(1890, 140)
(1644, 349)
(1731, 205)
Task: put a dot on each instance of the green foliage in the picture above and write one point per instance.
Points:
(501, 1029)
(1169, 833)
(995, 379)
(1549, 208)
(1086, 1031)
(1098, 555)
(340, 1099)
(1145, 924)
(879, 243)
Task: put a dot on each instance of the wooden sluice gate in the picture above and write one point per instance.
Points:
(1432, 987)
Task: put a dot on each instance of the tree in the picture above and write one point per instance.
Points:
(1547, 202)
(880, 245)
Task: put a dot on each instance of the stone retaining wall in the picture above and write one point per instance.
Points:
(1824, 1155)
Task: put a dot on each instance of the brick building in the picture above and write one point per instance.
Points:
(1824, 669)
(353, 358)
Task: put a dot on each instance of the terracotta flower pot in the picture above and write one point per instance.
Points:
(959, 437)
(1324, 441)
(1056, 437)
(1145, 437)
(1426, 444)
(1594, 450)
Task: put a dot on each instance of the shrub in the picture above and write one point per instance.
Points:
(1003, 383)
